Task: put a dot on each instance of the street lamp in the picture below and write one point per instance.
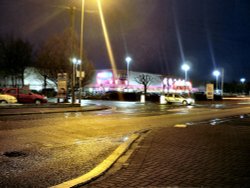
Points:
(75, 62)
(186, 68)
(216, 73)
(81, 51)
(242, 80)
(128, 60)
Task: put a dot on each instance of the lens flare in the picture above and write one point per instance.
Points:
(107, 41)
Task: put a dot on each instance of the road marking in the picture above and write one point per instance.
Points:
(102, 167)
(180, 125)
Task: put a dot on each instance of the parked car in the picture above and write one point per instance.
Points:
(25, 96)
(49, 92)
(178, 98)
(7, 99)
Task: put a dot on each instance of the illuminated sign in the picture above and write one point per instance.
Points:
(210, 91)
(104, 75)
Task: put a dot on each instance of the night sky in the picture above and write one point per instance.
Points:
(158, 34)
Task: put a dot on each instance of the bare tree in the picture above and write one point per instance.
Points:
(15, 56)
(89, 71)
(145, 80)
(54, 57)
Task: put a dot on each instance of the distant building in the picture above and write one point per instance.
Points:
(105, 80)
(32, 79)
(35, 80)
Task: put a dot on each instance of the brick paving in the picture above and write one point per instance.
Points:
(196, 156)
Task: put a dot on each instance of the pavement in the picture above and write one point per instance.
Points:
(13, 110)
(192, 156)
(200, 155)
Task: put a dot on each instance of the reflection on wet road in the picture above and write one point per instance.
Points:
(137, 109)
(126, 110)
(70, 144)
(239, 120)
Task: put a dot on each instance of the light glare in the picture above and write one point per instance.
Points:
(216, 73)
(106, 37)
(242, 80)
(128, 59)
(185, 67)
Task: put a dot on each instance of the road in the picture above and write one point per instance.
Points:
(54, 148)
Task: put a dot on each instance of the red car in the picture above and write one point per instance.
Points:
(25, 96)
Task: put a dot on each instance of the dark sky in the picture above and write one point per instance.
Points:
(158, 34)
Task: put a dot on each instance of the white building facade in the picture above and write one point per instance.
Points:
(105, 80)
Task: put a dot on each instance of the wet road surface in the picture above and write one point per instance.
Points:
(59, 147)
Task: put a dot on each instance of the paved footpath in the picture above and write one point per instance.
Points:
(196, 156)
(54, 108)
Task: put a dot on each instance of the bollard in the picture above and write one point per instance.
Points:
(142, 98)
(162, 99)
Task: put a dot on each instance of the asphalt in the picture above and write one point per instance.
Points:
(199, 155)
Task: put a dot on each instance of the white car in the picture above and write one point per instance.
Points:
(177, 98)
(4, 99)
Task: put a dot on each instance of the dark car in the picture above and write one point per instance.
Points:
(25, 96)
(49, 92)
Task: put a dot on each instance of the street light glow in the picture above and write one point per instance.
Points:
(242, 80)
(216, 73)
(74, 60)
(128, 59)
(185, 67)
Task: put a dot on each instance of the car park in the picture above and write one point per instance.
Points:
(25, 96)
(7, 99)
(178, 98)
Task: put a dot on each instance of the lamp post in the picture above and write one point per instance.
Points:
(81, 51)
(72, 29)
(186, 68)
(242, 80)
(75, 62)
(128, 60)
(216, 73)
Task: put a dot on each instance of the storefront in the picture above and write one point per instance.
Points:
(105, 80)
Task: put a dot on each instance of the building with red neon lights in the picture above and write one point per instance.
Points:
(105, 80)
